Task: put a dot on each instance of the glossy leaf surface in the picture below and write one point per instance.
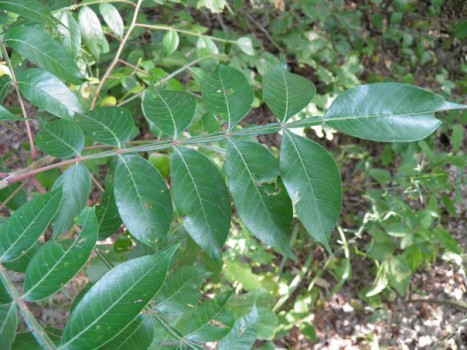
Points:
(92, 33)
(286, 93)
(170, 111)
(227, 93)
(45, 52)
(8, 325)
(30, 9)
(202, 199)
(243, 333)
(210, 321)
(388, 112)
(313, 182)
(60, 138)
(56, 263)
(180, 291)
(138, 335)
(108, 125)
(75, 184)
(112, 18)
(115, 301)
(142, 198)
(46, 91)
(259, 196)
(70, 35)
(107, 213)
(170, 41)
(22, 230)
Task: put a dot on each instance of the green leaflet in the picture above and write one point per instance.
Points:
(138, 335)
(56, 263)
(227, 93)
(112, 18)
(30, 9)
(202, 199)
(313, 182)
(170, 111)
(108, 125)
(142, 198)
(387, 112)
(285, 93)
(38, 47)
(5, 114)
(60, 138)
(201, 327)
(70, 35)
(8, 325)
(243, 333)
(76, 186)
(21, 231)
(107, 213)
(170, 41)
(5, 83)
(46, 91)
(92, 33)
(181, 290)
(258, 194)
(115, 301)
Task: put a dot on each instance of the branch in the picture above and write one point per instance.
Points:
(453, 303)
(117, 55)
(160, 145)
(34, 326)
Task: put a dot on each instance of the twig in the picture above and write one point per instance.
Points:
(31, 322)
(74, 7)
(14, 82)
(117, 55)
(454, 303)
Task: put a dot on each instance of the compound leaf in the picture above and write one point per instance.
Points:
(313, 182)
(60, 138)
(115, 301)
(56, 263)
(108, 125)
(170, 111)
(21, 231)
(46, 91)
(202, 199)
(142, 198)
(260, 199)
(76, 186)
(227, 93)
(39, 47)
(387, 112)
(286, 93)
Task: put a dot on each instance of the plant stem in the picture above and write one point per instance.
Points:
(74, 7)
(117, 55)
(14, 81)
(159, 145)
(183, 31)
(34, 326)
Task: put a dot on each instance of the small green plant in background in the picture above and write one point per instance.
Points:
(184, 175)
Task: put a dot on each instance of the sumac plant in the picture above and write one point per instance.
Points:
(171, 193)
